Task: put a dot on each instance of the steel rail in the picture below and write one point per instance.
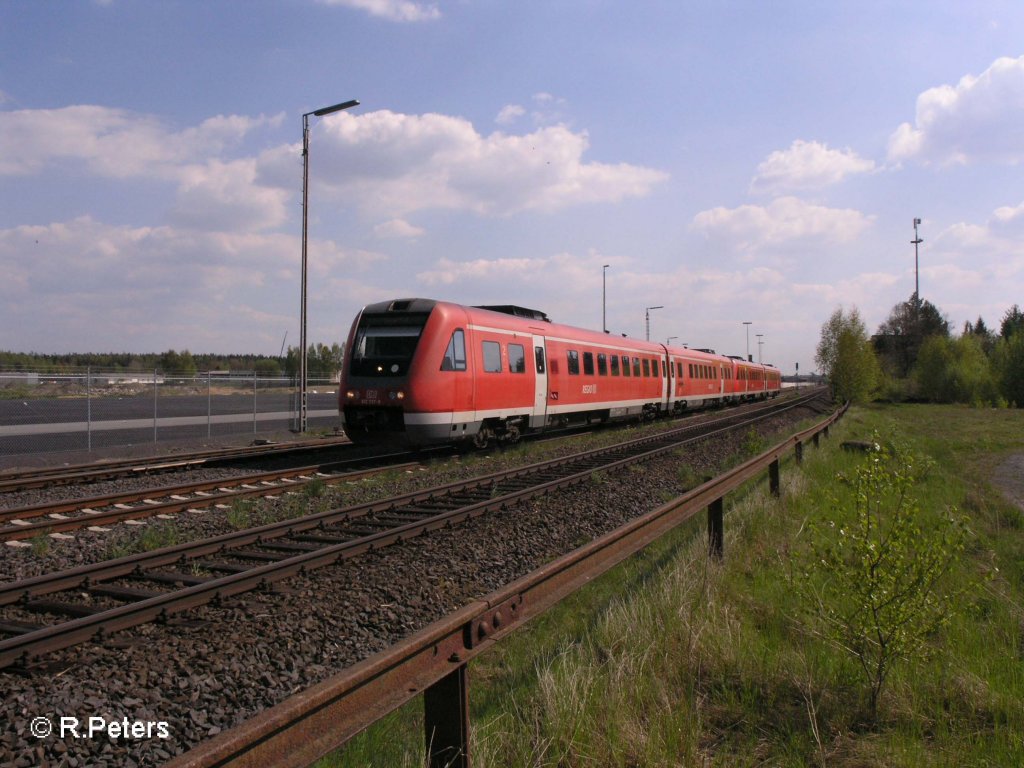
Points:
(80, 630)
(322, 718)
(12, 480)
(71, 578)
(228, 489)
(68, 579)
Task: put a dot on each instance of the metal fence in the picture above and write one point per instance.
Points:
(43, 412)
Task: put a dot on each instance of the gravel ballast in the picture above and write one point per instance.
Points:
(198, 675)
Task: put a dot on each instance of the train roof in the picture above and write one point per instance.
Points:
(401, 305)
(512, 309)
(425, 306)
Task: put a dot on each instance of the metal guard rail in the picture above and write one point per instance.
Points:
(434, 660)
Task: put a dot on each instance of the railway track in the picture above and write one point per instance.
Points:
(27, 522)
(22, 523)
(18, 480)
(106, 597)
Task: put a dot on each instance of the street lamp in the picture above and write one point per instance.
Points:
(747, 323)
(916, 242)
(303, 366)
(647, 315)
(669, 340)
(604, 298)
(759, 343)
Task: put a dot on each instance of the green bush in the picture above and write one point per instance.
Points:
(955, 371)
(875, 580)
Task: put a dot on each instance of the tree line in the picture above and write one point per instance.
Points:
(323, 362)
(914, 355)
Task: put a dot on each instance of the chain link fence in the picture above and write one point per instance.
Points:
(93, 410)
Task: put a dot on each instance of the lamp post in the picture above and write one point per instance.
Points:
(747, 323)
(303, 366)
(669, 340)
(759, 343)
(604, 298)
(916, 242)
(647, 316)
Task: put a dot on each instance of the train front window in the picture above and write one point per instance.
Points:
(384, 344)
(455, 355)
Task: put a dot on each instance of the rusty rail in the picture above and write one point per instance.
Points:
(43, 477)
(434, 660)
(172, 499)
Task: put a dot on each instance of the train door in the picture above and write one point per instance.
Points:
(540, 398)
(666, 382)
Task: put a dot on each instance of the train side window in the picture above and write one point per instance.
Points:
(625, 365)
(679, 370)
(455, 356)
(615, 365)
(574, 362)
(538, 353)
(492, 357)
(516, 358)
(636, 366)
(602, 364)
(647, 368)
(588, 363)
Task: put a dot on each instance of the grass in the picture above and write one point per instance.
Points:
(671, 659)
(154, 535)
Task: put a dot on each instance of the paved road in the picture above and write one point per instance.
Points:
(32, 426)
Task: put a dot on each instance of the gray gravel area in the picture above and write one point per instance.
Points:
(221, 665)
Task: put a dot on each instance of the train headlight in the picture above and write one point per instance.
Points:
(351, 394)
(397, 395)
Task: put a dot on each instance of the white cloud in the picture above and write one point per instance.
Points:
(509, 114)
(495, 271)
(113, 142)
(979, 118)
(392, 10)
(213, 192)
(395, 164)
(225, 196)
(398, 228)
(151, 288)
(548, 109)
(1009, 215)
(783, 221)
(807, 165)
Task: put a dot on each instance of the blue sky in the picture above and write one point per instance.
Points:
(730, 161)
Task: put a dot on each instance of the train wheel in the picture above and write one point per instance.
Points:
(483, 438)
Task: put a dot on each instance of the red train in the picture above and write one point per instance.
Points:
(427, 372)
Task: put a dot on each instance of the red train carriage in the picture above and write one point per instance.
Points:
(426, 372)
